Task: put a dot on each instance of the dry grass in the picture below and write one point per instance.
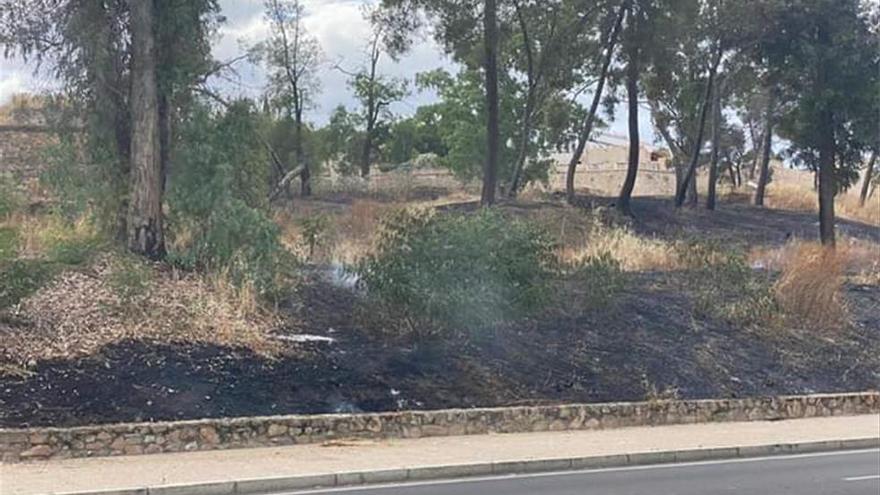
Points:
(860, 258)
(798, 197)
(347, 232)
(809, 289)
(38, 234)
(83, 310)
(633, 252)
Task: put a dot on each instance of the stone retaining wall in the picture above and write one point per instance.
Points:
(210, 434)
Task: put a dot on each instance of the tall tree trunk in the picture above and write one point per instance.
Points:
(366, 151)
(632, 94)
(731, 170)
(764, 170)
(827, 144)
(533, 77)
(490, 39)
(716, 146)
(701, 127)
(525, 131)
(827, 187)
(869, 175)
(587, 126)
(145, 234)
(164, 138)
(305, 176)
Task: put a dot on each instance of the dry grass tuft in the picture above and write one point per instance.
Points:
(860, 258)
(633, 252)
(795, 197)
(809, 289)
(83, 310)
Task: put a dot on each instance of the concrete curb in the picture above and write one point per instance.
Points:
(288, 483)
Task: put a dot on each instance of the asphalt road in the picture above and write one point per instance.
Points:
(835, 473)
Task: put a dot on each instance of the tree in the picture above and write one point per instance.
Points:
(586, 128)
(766, 143)
(717, 118)
(713, 14)
(632, 96)
(826, 59)
(490, 70)
(547, 46)
(292, 56)
(145, 233)
(117, 83)
(374, 90)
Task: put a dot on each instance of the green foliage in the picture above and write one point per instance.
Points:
(218, 200)
(21, 277)
(8, 243)
(86, 178)
(724, 286)
(74, 250)
(460, 271)
(601, 278)
(10, 196)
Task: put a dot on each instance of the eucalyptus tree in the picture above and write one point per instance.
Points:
(471, 32)
(650, 30)
(826, 59)
(549, 42)
(609, 42)
(126, 64)
(292, 57)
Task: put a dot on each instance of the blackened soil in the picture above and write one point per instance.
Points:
(649, 344)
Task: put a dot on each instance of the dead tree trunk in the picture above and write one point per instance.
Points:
(145, 233)
(587, 126)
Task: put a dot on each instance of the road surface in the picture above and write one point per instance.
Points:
(833, 473)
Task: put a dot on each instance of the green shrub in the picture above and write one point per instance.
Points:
(459, 271)
(724, 286)
(20, 278)
(218, 215)
(10, 196)
(601, 279)
(8, 243)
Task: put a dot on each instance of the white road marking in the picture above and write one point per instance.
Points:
(477, 479)
(863, 478)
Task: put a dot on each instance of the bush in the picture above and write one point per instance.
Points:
(20, 278)
(809, 289)
(724, 286)
(602, 277)
(218, 216)
(8, 243)
(459, 271)
(10, 196)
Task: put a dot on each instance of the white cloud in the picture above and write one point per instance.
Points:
(342, 33)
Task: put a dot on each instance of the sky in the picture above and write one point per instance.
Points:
(342, 33)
